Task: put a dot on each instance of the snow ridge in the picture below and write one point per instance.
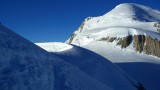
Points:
(25, 66)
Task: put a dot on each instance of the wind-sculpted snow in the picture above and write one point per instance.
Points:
(25, 66)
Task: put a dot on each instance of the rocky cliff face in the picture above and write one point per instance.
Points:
(141, 43)
(152, 46)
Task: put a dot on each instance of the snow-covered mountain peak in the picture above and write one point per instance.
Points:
(133, 11)
(121, 10)
(124, 25)
(130, 34)
(124, 15)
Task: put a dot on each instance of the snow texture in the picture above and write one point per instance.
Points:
(25, 66)
(95, 66)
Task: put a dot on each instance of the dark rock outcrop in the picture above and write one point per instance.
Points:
(146, 44)
(152, 46)
(79, 30)
(71, 38)
(157, 25)
(141, 43)
(125, 42)
(75, 33)
(108, 39)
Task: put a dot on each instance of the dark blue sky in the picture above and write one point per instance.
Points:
(55, 20)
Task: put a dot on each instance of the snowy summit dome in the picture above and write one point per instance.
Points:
(134, 11)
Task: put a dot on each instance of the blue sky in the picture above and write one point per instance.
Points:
(55, 20)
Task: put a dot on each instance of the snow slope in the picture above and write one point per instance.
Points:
(142, 67)
(94, 65)
(124, 20)
(24, 66)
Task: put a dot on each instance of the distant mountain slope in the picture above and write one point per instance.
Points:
(128, 35)
(24, 66)
(127, 24)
